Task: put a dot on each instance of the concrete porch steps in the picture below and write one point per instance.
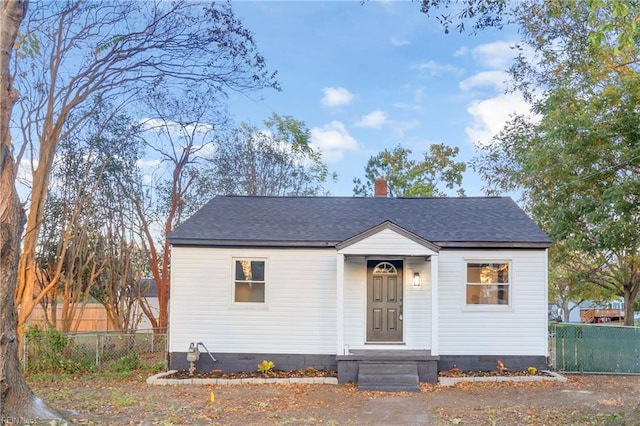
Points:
(388, 377)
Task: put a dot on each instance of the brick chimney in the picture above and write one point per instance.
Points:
(380, 187)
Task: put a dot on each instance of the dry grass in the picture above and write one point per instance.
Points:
(125, 398)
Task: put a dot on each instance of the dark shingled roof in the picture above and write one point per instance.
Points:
(326, 221)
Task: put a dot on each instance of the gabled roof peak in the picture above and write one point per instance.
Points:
(387, 224)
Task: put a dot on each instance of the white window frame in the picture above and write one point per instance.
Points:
(486, 306)
(233, 282)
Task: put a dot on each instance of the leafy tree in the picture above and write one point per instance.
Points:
(86, 246)
(71, 52)
(178, 135)
(276, 161)
(16, 399)
(481, 13)
(410, 178)
(116, 50)
(610, 19)
(578, 163)
(569, 281)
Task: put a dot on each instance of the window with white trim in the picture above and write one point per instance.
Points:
(488, 283)
(249, 280)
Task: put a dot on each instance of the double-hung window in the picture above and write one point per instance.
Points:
(488, 283)
(249, 280)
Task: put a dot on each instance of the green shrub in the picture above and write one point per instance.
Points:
(158, 366)
(50, 351)
(127, 363)
(46, 349)
(82, 362)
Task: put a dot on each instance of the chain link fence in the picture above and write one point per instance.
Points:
(50, 350)
(588, 348)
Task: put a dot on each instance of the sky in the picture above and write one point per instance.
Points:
(367, 77)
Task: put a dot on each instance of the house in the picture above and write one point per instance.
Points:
(147, 293)
(343, 282)
(607, 312)
(589, 311)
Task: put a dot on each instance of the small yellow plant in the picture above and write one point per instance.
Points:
(501, 367)
(532, 370)
(265, 366)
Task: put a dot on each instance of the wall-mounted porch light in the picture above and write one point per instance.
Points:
(416, 279)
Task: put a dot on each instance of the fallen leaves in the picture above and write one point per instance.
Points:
(270, 374)
(99, 399)
(502, 371)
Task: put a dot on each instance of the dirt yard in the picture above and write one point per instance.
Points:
(127, 399)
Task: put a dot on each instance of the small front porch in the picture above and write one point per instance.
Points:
(387, 305)
(387, 370)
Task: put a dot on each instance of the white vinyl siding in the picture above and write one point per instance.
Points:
(387, 242)
(299, 316)
(355, 302)
(417, 305)
(519, 330)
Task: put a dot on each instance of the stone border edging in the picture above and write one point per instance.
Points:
(157, 379)
(552, 376)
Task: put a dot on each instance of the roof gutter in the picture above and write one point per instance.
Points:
(184, 242)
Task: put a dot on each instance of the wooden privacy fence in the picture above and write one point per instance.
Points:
(94, 318)
(587, 348)
(91, 318)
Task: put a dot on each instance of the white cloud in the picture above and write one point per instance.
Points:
(433, 68)
(463, 51)
(336, 96)
(333, 140)
(149, 168)
(407, 106)
(490, 116)
(399, 42)
(147, 164)
(374, 120)
(494, 79)
(495, 55)
(176, 128)
(418, 94)
(400, 127)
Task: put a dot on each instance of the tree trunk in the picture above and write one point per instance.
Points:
(26, 296)
(17, 400)
(566, 312)
(630, 295)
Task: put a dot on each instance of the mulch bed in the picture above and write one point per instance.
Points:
(273, 374)
(493, 373)
(287, 374)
